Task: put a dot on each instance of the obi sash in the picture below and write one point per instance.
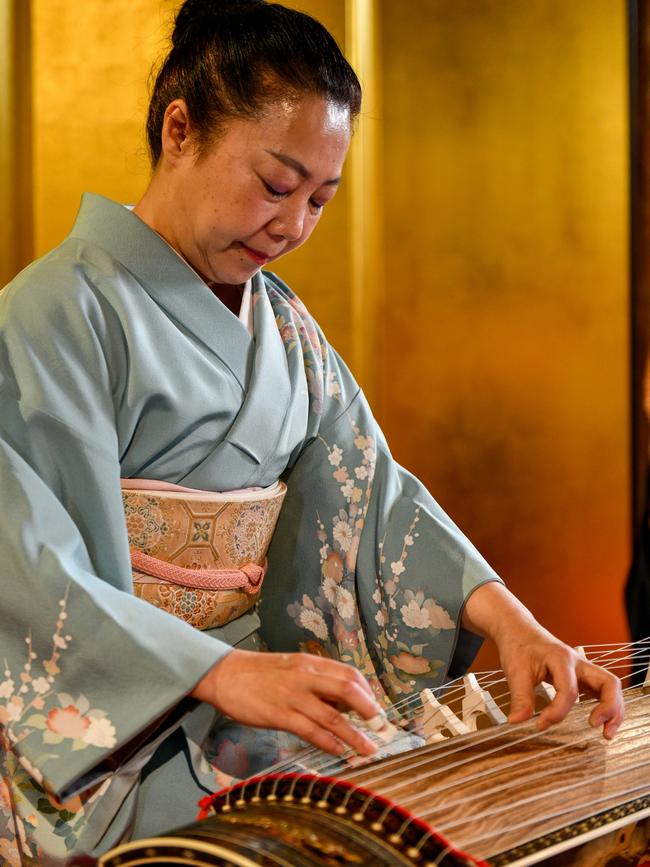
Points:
(199, 555)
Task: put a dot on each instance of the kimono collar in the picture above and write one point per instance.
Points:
(167, 278)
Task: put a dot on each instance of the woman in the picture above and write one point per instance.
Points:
(150, 345)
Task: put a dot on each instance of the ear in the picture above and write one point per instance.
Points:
(177, 135)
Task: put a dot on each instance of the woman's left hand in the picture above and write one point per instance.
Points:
(529, 654)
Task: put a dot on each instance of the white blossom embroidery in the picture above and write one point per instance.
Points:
(335, 456)
(40, 685)
(333, 387)
(343, 534)
(414, 616)
(329, 589)
(438, 616)
(100, 733)
(344, 603)
(314, 622)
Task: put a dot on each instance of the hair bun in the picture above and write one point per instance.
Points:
(195, 14)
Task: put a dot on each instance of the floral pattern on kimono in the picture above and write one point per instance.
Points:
(30, 704)
(378, 574)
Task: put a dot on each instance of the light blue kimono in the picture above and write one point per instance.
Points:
(116, 360)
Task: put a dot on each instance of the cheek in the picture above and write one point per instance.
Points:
(308, 227)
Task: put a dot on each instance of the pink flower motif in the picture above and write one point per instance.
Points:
(67, 721)
(341, 474)
(410, 664)
(287, 333)
(347, 638)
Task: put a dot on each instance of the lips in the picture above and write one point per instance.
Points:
(256, 255)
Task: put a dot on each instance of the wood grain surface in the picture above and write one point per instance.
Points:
(502, 787)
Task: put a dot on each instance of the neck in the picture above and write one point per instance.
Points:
(231, 296)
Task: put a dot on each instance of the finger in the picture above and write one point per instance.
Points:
(347, 691)
(610, 710)
(308, 730)
(522, 700)
(329, 718)
(334, 668)
(563, 675)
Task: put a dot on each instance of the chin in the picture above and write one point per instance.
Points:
(240, 273)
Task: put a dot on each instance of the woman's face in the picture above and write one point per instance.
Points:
(258, 191)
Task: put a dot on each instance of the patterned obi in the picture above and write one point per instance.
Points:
(196, 554)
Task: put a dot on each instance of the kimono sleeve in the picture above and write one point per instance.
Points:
(86, 666)
(365, 566)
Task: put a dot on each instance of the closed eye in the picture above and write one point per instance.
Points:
(316, 207)
(276, 194)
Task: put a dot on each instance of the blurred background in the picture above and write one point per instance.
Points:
(474, 269)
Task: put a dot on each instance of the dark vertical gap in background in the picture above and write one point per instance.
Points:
(639, 55)
(22, 192)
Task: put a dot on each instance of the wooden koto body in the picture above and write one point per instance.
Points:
(513, 795)
(473, 794)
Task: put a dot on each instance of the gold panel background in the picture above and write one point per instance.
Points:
(15, 138)
(502, 375)
(506, 316)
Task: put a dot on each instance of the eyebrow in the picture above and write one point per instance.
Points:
(298, 167)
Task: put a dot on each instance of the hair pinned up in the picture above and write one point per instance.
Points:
(233, 58)
(199, 13)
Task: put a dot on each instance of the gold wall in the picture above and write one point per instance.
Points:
(506, 370)
(89, 98)
(16, 219)
(490, 325)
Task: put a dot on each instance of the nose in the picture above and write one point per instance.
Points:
(289, 222)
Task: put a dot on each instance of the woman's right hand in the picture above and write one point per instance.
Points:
(295, 692)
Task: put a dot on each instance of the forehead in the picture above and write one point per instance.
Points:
(311, 130)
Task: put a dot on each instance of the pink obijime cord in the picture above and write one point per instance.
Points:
(247, 578)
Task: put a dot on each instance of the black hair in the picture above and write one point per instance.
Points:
(232, 58)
